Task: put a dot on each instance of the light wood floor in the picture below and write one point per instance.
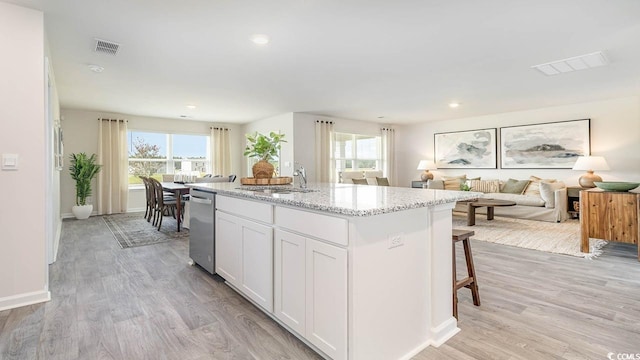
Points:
(147, 303)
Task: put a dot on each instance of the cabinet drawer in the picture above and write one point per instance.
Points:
(254, 210)
(324, 227)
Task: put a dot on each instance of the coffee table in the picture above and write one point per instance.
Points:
(490, 204)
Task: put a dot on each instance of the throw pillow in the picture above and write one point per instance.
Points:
(485, 186)
(382, 181)
(360, 181)
(462, 177)
(453, 184)
(435, 184)
(513, 186)
(533, 189)
(547, 193)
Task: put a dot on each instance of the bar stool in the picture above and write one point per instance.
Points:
(470, 281)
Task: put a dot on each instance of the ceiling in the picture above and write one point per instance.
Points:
(386, 61)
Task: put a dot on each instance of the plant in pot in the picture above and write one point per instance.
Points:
(263, 148)
(83, 170)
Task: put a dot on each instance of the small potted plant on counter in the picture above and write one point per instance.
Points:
(263, 148)
(83, 170)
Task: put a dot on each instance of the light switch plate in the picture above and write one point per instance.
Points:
(9, 161)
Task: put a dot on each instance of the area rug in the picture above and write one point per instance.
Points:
(560, 238)
(132, 229)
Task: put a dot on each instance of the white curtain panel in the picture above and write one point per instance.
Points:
(325, 169)
(220, 151)
(389, 154)
(113, 178)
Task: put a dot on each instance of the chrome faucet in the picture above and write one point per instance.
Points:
(302, 173)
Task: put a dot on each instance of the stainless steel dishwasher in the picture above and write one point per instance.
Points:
(202, 231)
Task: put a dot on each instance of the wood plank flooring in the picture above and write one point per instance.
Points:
(147, 303)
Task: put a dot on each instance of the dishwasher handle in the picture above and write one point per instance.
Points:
(201, 200)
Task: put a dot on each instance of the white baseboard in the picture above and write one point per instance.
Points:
(14, 301)
(445, 331)
(70, 215)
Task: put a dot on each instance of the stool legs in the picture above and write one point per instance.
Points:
(455, 290)
(471, 271)
(470, 281)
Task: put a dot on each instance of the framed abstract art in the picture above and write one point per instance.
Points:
(554, 145)
(472, 149)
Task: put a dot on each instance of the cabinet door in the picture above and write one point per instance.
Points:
(257, 263)
(326, 300)
(229, 247)
(290, 280)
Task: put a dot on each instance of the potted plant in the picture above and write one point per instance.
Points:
(83, 170)
(263, 148)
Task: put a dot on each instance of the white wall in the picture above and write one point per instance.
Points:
(23, 269)
(615, 134)
(81, 135)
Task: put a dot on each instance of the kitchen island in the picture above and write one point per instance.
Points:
(356, 272)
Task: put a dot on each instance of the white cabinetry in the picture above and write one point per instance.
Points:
(244, 252)
(311, 290)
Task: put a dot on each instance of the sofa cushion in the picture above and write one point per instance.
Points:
(513, 186)
(533, 189)
(518, 199)
(362, 181)
(435, 184)
(547, 193)
(485, 186)
(382, 181)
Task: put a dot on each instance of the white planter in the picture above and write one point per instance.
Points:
(82, 211)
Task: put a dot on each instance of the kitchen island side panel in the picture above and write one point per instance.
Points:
(394, 299)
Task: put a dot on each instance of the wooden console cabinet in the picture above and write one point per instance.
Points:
(609, 216)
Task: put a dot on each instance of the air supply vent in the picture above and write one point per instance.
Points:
(581, 62)
(107, 47)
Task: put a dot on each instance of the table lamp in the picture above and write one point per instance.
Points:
(426, 165)
(590, 163)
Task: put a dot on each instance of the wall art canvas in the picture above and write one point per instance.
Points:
(474, 149)
(544, 146)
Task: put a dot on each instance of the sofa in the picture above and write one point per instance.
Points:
(535, 198)
(366, 177)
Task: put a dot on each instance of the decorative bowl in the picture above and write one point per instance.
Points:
(616, 185)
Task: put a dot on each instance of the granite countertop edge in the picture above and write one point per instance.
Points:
(309, 200)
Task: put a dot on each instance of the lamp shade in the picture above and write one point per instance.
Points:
(426, 165)
(591, 163)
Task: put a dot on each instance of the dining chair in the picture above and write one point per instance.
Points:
(162, 204)
(149, 196)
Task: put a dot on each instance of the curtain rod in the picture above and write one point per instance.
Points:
(113, 120)
(385, 129)
(323, 121)
(219, 128)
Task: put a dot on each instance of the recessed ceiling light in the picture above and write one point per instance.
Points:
(453, 105)
(191, 107)
(96, 68)
(260, 39)
(380, 117)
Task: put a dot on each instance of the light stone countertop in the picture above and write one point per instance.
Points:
(345, 199)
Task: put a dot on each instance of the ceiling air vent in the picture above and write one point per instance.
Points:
(107, 47)
(581, 62)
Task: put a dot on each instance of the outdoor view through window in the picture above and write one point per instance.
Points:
(356, 152)
(156, 154)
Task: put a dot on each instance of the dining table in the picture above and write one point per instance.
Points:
(179, 190)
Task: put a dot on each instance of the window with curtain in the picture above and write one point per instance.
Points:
(154, 154)
(356, 152)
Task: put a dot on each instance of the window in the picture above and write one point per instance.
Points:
(356, 152)
(154, 154)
